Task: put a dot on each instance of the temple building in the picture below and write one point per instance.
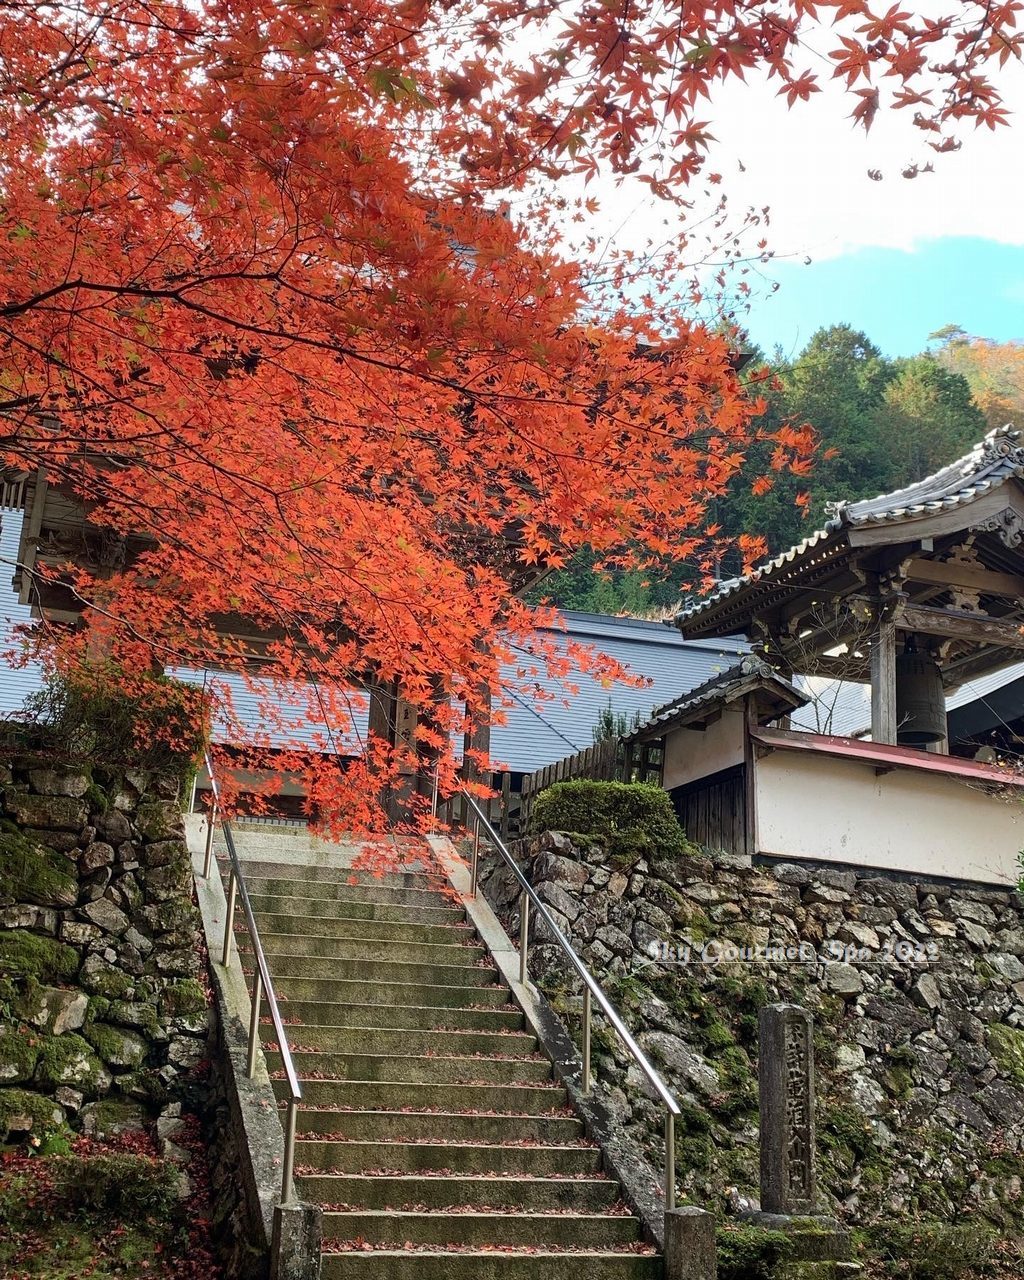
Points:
(918, 593)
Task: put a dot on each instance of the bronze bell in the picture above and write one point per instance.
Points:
(920, 700)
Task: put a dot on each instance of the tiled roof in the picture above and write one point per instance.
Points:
(748, 674)
(997, 458)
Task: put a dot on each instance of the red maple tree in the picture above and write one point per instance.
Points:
(262, 307)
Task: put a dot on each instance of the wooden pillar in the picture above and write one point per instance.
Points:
(383, 699)
(883, 681)
(478, 740)
(750, 724)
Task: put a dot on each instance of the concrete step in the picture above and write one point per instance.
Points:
(439, 1125)
(367, 948)
(294, 926)
(393, 1095)
(421, 1070)
(412, 1157)
(327, 1013)
(351, 909)
(521, 1193)
(387, 971)
(572, 1230)
(326, 874)
(343, 890)
(368, 990)
(467, 1264)
(405, 1040)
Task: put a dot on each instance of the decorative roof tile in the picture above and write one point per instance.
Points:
(997, 458)
(748, 674)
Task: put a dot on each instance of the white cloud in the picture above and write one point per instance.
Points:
(810, 165)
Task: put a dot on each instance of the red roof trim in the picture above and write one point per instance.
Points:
(883, 756)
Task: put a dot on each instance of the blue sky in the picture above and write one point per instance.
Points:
(897, 297)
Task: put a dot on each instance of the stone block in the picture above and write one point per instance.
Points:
(159, 820)
(295, 1245)
(690, 1244)
(57, 813)
(106, 916)
(97, 855)
(59, 782)
(55, 1009)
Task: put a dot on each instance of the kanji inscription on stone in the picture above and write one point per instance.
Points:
(786, 1079)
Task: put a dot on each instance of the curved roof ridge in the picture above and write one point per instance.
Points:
(998, 456)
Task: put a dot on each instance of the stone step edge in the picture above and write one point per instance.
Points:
(386, 1143)
(422, 1113)
(492, 1251)
(298, 1053)
(268, 940)
(442, 1179)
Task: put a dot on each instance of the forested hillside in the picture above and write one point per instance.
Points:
(883, 423)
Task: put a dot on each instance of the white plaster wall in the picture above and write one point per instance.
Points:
(695, 753)
(810, 806)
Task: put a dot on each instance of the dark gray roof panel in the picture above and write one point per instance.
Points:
(537, 734)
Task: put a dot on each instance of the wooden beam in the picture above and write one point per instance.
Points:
(959, 625)
(883, 682)
(965, 576)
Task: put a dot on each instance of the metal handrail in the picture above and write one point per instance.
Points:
(262, 984)
(592, 990)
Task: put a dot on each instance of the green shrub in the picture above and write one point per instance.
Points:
(120, 1182)
(109, 715)
(933, 1250)
(634, 819)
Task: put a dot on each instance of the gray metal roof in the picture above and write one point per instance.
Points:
(16, 683)
(994, 460)
(537, 732)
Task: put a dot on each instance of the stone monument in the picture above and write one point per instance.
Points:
(820, 1248)
(786, 1080)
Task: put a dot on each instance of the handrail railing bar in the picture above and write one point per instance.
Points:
(605, 1005)
(257, 947)
(268, 993)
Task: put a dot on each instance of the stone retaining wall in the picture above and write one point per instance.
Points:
(103, 1006)
(917, 991)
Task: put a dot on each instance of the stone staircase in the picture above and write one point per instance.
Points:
(432, 1131)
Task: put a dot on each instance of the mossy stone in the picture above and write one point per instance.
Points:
(102, 979)
(179, 999)
(22, 1111)
(1006, 1045)
(56, 813)
(70, 1060)
(19, 1053)
(32, 872)
(113, 1116)
(159, 820)
(116, 1046)
(27, 955)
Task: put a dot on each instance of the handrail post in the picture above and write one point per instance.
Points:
(670, 1160)
(475, 871)
(229, 920)
(211, 822)
(524, 934)
(587, 1013)
(288, 1167)
(254, 1023)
